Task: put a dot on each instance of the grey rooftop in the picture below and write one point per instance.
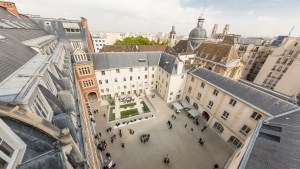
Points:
(263, 101)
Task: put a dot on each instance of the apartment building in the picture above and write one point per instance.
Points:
(99, 42)
(279, 72)
(39, 117)
(136, 72)
(230, 108)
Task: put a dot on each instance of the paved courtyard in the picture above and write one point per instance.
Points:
(180, 143)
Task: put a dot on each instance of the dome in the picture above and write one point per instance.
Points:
(198, 33)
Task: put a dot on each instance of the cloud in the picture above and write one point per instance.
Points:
(250, 12)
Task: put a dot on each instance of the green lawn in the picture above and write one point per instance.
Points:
(145, 107)
(111, 114)
(128, 113)
(127, 105)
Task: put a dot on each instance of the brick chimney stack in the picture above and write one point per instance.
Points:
(10, 7)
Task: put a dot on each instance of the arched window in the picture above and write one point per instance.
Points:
(187, 98)
(235, 142)
(195, 105)
(218, 127)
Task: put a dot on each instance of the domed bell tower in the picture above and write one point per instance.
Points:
(198, 34)
(172, 39)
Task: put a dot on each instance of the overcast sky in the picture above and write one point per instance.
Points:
(245, 17)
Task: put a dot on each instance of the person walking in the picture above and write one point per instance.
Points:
(185, 125)
(123, 144)
(192, 129)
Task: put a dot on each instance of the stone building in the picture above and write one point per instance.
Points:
(279, 72)
(219, 36)
(40, 125)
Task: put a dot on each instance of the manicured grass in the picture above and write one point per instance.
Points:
(127, 105)
(128, 113)
(145, 107)
(111, 114)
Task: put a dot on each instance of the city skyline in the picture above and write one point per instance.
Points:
(245, 17)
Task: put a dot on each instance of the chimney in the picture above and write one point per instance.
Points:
(10, 7)
(179, 67)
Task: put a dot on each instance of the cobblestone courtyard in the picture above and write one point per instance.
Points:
(179, 142)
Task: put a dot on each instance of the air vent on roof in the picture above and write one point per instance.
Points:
(142, 60)
(166, 63)
(269, 137)
(24, 75)
(273, 128)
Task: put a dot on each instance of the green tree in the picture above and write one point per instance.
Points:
(140, 40)
(165, 42)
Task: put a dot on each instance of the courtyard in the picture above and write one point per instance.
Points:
(180, 143)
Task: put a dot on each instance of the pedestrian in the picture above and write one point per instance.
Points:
(185, 125)
(200, 139)
(104, 115)
(216, 166)
(192, 129)
(170, 126)
(123, 145)
(100, 134)
(204, 127)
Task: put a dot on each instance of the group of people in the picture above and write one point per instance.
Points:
(170, 124)
(131, 131)
(102, 145)
(166, 159)
(108, 129)
(196, 121)
(96, 111)
(173, 116)
(145, 138)
(201, 141)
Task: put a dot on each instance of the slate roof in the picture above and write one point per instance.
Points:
(132, 48)
(14, 54)
(219, 53)
(51, 160)
(115, 60)
(257, 98)
(278, 41)
(183, 46)
(277, 145)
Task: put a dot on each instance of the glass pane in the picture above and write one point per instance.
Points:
(3, 164)
(6, 149)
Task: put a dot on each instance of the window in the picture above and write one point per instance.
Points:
(182, 76)
(210, 104)
(256, 116)
(125, 87)
(130, 69)
(116, 80)
(296, 44)
(102, 72)
(7, 151)
(100, 81)
(130, 78)
(84, 71)
(80, 57)
(76, 44)
(166, 84)
(102, 90)
(265, 81)
(139, 77)
(152, 68)
(202, 84)
(296, 54)
(225, 115)
(146, 68)
(245, 130)
(198, 96)
(235, 142)
(285, 69)
(269, 75)
(146, 76)
(274, 67)
(118, 70)
(195, 105)
(88, 83)
(152, 75)
(39, 107)
(291, 52)
(106, 81)
(192, 79)
(232, 102)
(218, 127)
(278, 61)
(190, 89)
(171, 93)
(216, 92)
(284, 61)
(187, 98)
(124, 79)
(107, 89)
(291, 61)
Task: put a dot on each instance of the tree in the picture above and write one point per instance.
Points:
(140, 40)
(165, 42)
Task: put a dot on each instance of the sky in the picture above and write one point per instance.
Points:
(249, 18)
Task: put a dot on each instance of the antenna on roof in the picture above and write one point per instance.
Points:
(291, 31)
